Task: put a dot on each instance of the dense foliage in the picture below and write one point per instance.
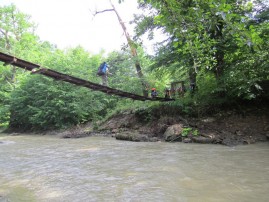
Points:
(220, 46)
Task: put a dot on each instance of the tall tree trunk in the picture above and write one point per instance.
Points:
(132, 48)
(133, 52)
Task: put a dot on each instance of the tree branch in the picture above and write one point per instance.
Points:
(106, 10)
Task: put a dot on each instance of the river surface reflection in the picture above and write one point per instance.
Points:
(46, 168)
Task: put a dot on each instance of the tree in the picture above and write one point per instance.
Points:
(14, 26)
(132, 46)
(209, 33)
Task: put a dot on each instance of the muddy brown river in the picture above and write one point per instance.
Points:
(47, 168)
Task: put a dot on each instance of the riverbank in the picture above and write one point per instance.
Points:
(229, 128)
(224, 126)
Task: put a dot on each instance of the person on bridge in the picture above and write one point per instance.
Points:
(167, 93)
(154, 93)
(103, 71)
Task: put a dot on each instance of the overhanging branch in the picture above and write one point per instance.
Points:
(103, 11)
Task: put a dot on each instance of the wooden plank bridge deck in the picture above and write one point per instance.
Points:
(37, 69)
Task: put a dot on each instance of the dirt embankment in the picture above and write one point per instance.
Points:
(226, 127)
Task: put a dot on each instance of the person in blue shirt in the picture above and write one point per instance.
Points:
(103, 71)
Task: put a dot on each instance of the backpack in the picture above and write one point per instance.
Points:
(102, 69)
(154, 93)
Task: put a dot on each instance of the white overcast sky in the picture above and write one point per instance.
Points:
(69, 23)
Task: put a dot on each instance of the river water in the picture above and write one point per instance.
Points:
(47, 168)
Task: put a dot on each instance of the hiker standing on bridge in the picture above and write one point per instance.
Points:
(103, 71)
(154, 93)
